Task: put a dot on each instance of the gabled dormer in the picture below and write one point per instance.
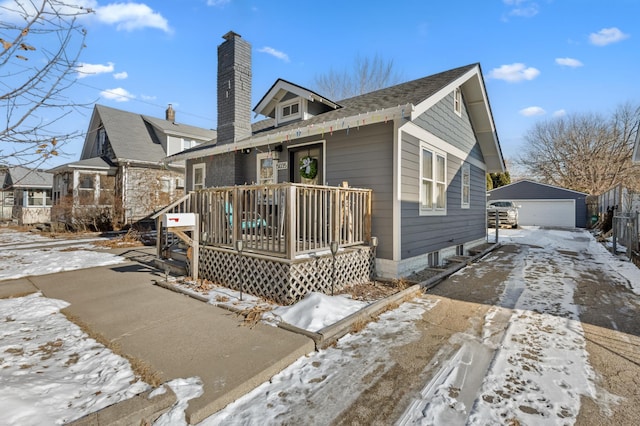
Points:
(286, 102)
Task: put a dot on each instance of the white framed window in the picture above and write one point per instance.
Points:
(466, 185)
(198, 176)
(289, 110)
(189, 143)
(266, 168)
(457, 101)
(433, 181)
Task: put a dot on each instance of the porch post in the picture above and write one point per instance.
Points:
(195, 238)
(337, 207)
(291, 222)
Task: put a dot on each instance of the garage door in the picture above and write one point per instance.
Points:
(561, 213)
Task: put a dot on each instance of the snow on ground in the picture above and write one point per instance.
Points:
(535, 369)
(51, 372)
(26, 253)
(539, 368)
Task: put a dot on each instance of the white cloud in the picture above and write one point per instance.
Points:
(531, 111)
(522, 8)
(273, 52)
(119, 95)
(514, 73)
(121, 75)
(217, 2)
(150, 98)
(559, 113)
(569, 62)
(131, 16)
(607, 36)
(86, 70)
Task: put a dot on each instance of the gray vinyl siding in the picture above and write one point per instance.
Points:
(424, 234)
(441, 121)
(364, 158)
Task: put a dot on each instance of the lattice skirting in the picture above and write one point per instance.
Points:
(286, 282)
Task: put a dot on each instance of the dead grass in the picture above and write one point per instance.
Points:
(132, 238)
(141, 369)
(375, 290)
(252, 316)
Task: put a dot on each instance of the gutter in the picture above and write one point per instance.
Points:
(313, 129)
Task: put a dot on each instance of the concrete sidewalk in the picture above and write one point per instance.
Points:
(175, 335)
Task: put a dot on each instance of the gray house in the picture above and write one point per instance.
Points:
(120, 177)
(544, 205)
(31, 194)
(421, 148)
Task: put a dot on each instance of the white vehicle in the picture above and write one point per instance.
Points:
(507, 212)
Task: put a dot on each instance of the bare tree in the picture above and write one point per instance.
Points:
(40, 42)
(584, 152)
(367, 75)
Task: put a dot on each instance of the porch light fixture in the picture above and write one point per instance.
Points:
(333, 246)
(239, 247)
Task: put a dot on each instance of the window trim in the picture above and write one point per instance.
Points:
(457, 101)
(465, 170)
(432, 210)
(198, 166)
(284, 118)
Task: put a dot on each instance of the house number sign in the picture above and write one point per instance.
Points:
(282, 165)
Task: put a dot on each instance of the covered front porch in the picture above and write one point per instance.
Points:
(278, 241)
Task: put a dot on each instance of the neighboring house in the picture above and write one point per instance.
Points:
(620, 198)
(422, 147)
(120, 177)
(6, 198)
(544, 205)
(31, 190)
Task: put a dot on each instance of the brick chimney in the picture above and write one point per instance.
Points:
(170, 114)
(234, 89)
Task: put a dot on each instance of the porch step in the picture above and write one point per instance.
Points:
(458, 259)
(171, 266)
(179, 255)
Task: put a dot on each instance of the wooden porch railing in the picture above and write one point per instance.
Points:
(283, 220)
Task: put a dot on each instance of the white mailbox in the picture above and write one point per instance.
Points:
(172, 220)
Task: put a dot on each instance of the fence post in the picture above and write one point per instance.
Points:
(614, 235)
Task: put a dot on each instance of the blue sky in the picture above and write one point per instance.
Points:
(539, 58)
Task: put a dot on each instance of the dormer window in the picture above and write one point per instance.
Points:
(290, 111)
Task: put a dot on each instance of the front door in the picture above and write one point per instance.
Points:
(306, 164)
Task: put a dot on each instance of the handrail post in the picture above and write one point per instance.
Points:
(335, 232)
(290, 221)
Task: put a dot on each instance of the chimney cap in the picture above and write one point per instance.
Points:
(230, 35)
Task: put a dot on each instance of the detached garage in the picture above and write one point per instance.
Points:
(544, 205)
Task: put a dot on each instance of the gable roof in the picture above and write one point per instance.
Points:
(402, 101)
(523, 185)
(133, 136)
(280, 88)
(22, 177)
